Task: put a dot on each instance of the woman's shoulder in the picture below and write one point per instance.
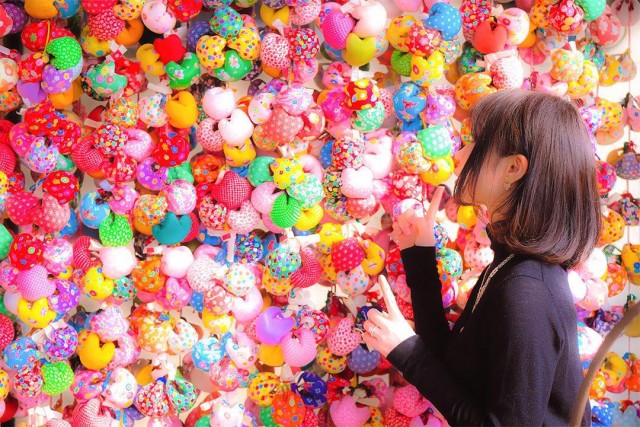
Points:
(535, 282)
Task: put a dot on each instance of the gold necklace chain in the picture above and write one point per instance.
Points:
(486, 280)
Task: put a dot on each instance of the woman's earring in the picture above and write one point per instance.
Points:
(507, 185)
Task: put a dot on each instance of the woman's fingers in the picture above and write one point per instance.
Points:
(405, 221)
(377, 317)
(370, 341)
(367, 325)
(430, 215)
(389, 298)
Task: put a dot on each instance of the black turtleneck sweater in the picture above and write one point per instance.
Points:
(514, 361)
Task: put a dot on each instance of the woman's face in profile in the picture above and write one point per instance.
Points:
(489, 188)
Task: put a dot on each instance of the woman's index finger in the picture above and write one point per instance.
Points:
(434, 205)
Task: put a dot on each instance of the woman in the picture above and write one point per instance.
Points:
(512, 357)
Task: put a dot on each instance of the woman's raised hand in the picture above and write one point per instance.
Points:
(413, 228)
(383, 331)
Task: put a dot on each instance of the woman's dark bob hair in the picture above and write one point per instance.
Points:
(553, 212)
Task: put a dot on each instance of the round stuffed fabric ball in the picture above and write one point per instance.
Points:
(105, 25)
(7, 332)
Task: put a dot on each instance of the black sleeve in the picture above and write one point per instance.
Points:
(423, 279)
(523, 348)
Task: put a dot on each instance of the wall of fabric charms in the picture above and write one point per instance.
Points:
(197, 198)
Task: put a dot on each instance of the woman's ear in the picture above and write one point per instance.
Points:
(516, 168)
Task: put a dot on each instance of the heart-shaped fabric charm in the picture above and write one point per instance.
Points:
(19, 207)
(62, 185)
(401, 62)
(61, 344)
(287, 172)
(226, 22)
(309, 271)
(34, 283)
(345, 412)
(272, 325)
(353, 282)
(409, 101)
(25, 251)
(208, 136)
(235, 67)
(336, 27)
(347, 153)
(471, 87)
(115, 231)
(357, 183)
(212, 214)
(445, 18)
(309, 218)
(262, 389)
(408, 401)
(288, 409)
(173, 229)
(181, 394)
(295, 99)
(629, 208)
(303, 43)
(232, 190)
(370, 119)
(91, 414)
(157, 17)
(628, 167)
(51, 216)
(285, 211)
(274, 51)
(423, 41)
(567, 65)
(238, 280)
(263, 197)
(357, 51)
(237, 129)
(347, 254)
(282, 262)
(246, 43)
(245, 219)
(109, 324)
(210, 52)
(309, 192)
(330, 362)
(152, 399)
(170, 48)
(259, 171)
(362, 208)
(181, 196)
(436, 142)
(426, 71)
(57, 377)
(40, 157)
(126, 9)
(54, 80)
(565, 16)
(343, 338)
(362, 361)
(218, 300)
(92, 354)
(171, 151)
(262, 141)
(66, 52)
(184, 74)
(278, 288)
(507, 73)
